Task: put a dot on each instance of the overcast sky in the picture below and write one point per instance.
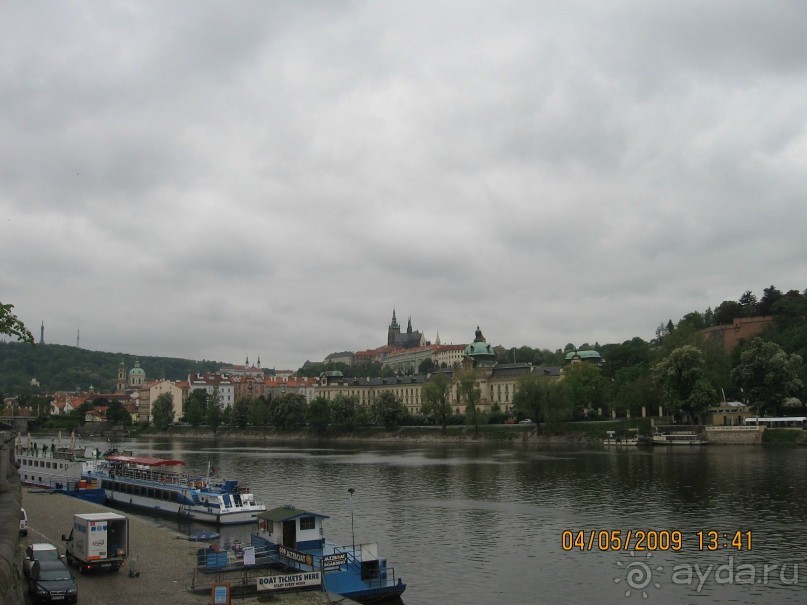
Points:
(217, 180)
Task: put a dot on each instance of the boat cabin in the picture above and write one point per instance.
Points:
(292, 527)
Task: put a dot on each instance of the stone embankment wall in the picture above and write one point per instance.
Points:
(11, 580)
(734, 435)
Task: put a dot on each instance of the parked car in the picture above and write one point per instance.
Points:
(51, 581)
(23, 522)
(41, 551)
(526, 421)
(510, 421)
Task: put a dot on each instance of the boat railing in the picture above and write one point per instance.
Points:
(212, 559)
(157, 476)
(381, 576)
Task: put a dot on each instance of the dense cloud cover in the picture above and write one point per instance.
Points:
(216, 179)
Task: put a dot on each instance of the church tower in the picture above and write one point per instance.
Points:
(394, 330)
(120, 386)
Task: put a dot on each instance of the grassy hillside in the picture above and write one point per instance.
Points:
(63, 368)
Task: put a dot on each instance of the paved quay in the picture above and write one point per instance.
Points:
(164, 558)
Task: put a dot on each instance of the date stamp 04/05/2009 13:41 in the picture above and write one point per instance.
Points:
(613, 540)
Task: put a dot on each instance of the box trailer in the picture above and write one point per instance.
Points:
(98, 540)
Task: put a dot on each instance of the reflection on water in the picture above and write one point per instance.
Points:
(482, 524)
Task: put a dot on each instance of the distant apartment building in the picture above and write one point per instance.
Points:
(254, 370)
(343, 357)
(366, 390)
(149, 392)
(407, 361)
(281, 385)
(448, 356)
(211, 383)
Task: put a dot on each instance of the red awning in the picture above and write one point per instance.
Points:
(145, 461)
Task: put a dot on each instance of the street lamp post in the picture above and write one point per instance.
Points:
(350, 491)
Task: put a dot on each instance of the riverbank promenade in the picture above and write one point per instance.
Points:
(164, 559)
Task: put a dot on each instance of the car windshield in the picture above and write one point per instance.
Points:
(54, 574)
(46, 555)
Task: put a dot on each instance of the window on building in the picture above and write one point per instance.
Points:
(307, 523)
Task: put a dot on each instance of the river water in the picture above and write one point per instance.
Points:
(484, 524)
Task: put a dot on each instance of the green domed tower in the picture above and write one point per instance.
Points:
(480, 353)
(137, 375)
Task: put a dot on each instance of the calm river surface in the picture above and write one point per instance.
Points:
(483, 524)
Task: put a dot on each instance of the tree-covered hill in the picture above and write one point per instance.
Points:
(64, 368)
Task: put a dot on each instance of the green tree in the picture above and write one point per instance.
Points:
(790, 308)
(767, 375)
(198, 397)
(436, 397)
(344, 411)
(319, 414)
(213, 415)
(195, 413)
(632, 388)
(162, 411)
(748, 302)
(471, 394)
(388, 410)
(542, 399)
(770, 296)
(427, 366)
(290, 410)
(10, 325)
(585, 387)
(117, 414)
(227, 416)
(259, 412)
(727, 311)
(240, 417)
(682, 384)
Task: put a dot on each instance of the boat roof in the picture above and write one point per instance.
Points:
(146, 460)
(287, 513)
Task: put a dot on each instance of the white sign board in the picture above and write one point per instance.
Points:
(249, 555)
(292, 580)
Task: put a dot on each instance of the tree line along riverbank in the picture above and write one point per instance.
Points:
(533, 434)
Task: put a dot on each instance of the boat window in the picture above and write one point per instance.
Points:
(307, 523)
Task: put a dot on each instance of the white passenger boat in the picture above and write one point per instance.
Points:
(678, 438)
(163, 486)
(54, 466)
(631, 438)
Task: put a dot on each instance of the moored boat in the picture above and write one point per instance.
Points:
(291, 542)
(356, 572)
(678, 438)
(47, 467)
(162, 486)
(80, 488)
(630, 438)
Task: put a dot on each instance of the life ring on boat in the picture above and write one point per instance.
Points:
(262, 525)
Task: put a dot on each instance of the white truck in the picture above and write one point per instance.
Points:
(98, 540)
